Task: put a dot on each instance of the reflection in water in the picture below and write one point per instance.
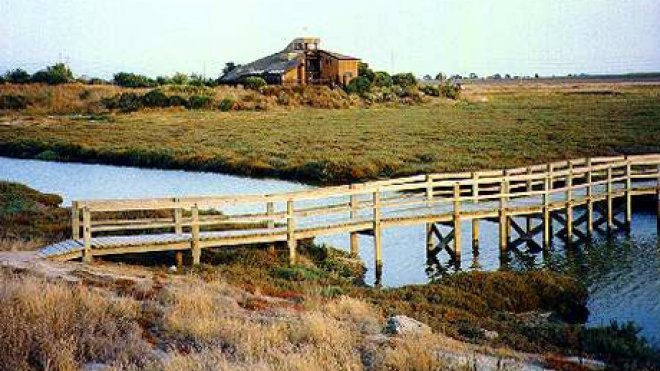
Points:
(621, 273)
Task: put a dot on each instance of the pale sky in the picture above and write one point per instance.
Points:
(160, 37)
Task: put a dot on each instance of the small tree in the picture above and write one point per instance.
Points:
(254, 82)
(179, 79)
(473, 76)
(358, 85)
(54, 75)
(404, 80)
(441, 77)
(163, 80)
(17, 76)
(229, 66)
(382, 79)
(365, 71)
(132, 80)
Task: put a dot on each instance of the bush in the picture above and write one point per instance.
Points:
(199, 102)
(54, 75)
(178, 101)
(450, 91)
(358, 85)
(382, 79)
(404, 79)
(163, 80)
(254, 82)
(226, 105)
(126, 102)
(179, 79)
(131, 80)
(17, 76)
(14, 102)
(431, 90)
(155, 98)
(365, 71)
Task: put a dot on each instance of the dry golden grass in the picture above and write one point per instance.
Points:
(7, 244)
(50, 326)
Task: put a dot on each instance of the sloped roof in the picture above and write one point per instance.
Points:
(339, 56)
(277, 63)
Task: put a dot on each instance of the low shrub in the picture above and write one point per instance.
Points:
(155, 98)
(226, 105)
(54, 75)
(254, 83)
(13, 102)
(382, 79)
(404, 79)
(17, 76)
(178, 101)
(199, 102)
(359, 85)
(132, 80)
(450, 91)
(430, 90)
(125, 102)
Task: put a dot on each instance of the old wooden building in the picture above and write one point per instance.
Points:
(301, 62)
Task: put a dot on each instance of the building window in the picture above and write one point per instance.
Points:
(299, 46)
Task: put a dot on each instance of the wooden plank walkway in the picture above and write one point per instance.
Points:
(544, 192)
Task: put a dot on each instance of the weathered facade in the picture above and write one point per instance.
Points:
(301, 62)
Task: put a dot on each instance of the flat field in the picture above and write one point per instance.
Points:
(490, 126)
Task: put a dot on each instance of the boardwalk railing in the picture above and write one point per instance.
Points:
(104, 227)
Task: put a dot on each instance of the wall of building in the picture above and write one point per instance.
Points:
(333, 69)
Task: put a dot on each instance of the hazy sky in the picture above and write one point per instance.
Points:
(99, 38)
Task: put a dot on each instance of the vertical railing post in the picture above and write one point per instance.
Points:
(547, 187)
(195, 243)
(87, 235)
(610, 216)
(178, 216)
(75, 220)
(270, 223)
(628, 194)
(178, 230)
(291, 231)
(378, 247)
(590, 199)
(429, 226)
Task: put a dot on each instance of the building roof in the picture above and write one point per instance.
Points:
(277, 63)
(339, 56)
(281, 62)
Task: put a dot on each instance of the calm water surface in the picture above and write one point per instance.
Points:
(623, 273)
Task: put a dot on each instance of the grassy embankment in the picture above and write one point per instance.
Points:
(491, 126)
(246, 308)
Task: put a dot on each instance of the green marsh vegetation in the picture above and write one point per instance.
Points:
(491, 126)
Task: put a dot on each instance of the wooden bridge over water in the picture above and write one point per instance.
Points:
(583, 195)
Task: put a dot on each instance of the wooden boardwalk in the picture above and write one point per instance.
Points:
(541, 192)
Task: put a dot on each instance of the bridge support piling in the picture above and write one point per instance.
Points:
(290, 232)
(355, 238)
(569, 204)
(503, 217)
(378, 245)
(475, 234)
(547, 220)
(590, 200)
(196, 249)
(457, 222)
(178, 229)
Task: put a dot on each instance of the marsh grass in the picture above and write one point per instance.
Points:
(492, 127)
